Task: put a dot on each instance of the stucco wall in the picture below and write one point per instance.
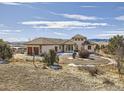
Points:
(79, 43)
(46, 48)
(90, 50)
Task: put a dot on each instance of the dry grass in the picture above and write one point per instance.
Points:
(80, 61)
(24, 76)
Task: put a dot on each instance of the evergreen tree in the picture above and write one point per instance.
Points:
(5, 51)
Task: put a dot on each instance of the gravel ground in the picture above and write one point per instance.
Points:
(93, 60)
(24, 76)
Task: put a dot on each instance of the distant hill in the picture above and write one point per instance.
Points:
(99, 40)
(22, 43)
(16, 43)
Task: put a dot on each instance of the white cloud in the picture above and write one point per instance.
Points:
(10, 3)
(116, 32)
(15, 39)
(92, 27)
(1, 25)
(26, 4)
(15, 3)
(60, 34)
(88, 6)
(39, 17)
(110, 34)
(77, 16)
(61, 24)
(5, 32)
(17, 31)
(121, 18)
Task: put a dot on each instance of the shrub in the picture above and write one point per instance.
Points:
(44, 66)
(50, 58)
(46, 59)
(42, 54)
(84, 54)
(74, 55)
(116, 48)
(93, 71)
(52, 55)
(107, 81)
(5, 51)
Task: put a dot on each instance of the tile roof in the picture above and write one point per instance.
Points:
(49, 41)
(54, 41)
(79, 36)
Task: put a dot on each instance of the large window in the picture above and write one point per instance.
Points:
(71, 47)
(76, 39)
(59, 46)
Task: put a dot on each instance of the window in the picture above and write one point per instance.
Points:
(76, 39)
(60, 47)
(71, 47)
(56, 48)
(89, 47)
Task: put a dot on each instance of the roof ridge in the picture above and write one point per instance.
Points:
(50, 38)
(78, 35)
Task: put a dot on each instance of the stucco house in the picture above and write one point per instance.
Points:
(17, 47)
(42, 45)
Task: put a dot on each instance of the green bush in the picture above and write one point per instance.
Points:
(108, 82)
(84, 54)
(5, 51)
(74, 55)
(93, 71)
(50, 58)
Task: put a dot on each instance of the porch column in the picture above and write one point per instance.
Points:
(33, 50)
(65, 48)
(40, 49)
(73, 48)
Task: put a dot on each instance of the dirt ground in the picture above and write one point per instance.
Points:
(92, 60)
(24, 76)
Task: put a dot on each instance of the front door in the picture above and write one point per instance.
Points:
(29, 51)
(36, 50)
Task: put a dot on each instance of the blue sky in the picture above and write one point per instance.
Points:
(25, 21)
